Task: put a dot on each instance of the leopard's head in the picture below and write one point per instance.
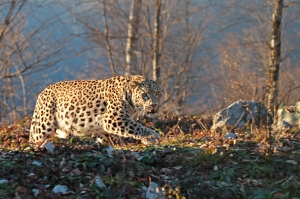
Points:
(146, 94)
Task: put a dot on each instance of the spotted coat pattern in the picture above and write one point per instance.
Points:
(96, 107)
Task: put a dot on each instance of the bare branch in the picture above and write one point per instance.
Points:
(8, 18)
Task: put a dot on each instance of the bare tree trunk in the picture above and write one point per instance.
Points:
(23, 91)
(183, 93)
(109, 50)
(275, 55)
(12, 97)
(157, 47)
(132, 37)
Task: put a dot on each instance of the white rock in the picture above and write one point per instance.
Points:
(154, 191)
(36, 163)
(291, 117)
(216, 168)
(60, 189)
(137, 156)
(230, 135)
(3, 181)
(110, 151)
(35, 192)
(99, 182)
(31, 174)
(282, 125)
(49, 146)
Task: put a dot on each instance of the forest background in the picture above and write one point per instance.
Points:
(208, 53)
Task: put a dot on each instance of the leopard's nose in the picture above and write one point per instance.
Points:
(154, 105)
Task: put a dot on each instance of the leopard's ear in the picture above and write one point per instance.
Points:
(158, 81)
(134, 84)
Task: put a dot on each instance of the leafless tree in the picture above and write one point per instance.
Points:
(132, 36)
(162, 40)
(24, 52)
(107, 41)
(251, 53)
(157, 43)
(275, 56)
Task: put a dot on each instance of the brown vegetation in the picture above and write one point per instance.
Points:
(190, 162)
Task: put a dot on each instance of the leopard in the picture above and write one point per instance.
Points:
(103, 107)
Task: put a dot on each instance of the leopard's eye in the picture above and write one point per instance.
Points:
(157, 93)
(145, 96)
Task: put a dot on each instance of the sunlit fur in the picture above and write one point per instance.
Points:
(97, 107)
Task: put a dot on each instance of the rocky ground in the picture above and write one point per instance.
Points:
(190, 162)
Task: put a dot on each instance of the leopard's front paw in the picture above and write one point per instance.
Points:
(153, 138)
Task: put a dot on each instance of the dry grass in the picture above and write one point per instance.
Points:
(190, 162)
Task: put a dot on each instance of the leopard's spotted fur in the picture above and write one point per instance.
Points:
(96, 107)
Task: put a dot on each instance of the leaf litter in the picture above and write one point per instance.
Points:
(190, 162)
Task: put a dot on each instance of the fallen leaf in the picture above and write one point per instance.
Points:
(246, 180)
(21, 189)
(242, 189)
(98, 182)
(279, 195)
(292, 162)
(17, 196)
(62, 162)
(224, 184)
(76, 172)
(177, 167)
(166, 170)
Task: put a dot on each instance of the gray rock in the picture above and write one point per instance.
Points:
(241, 112)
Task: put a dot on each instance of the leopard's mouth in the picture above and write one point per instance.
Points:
(152, 111)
